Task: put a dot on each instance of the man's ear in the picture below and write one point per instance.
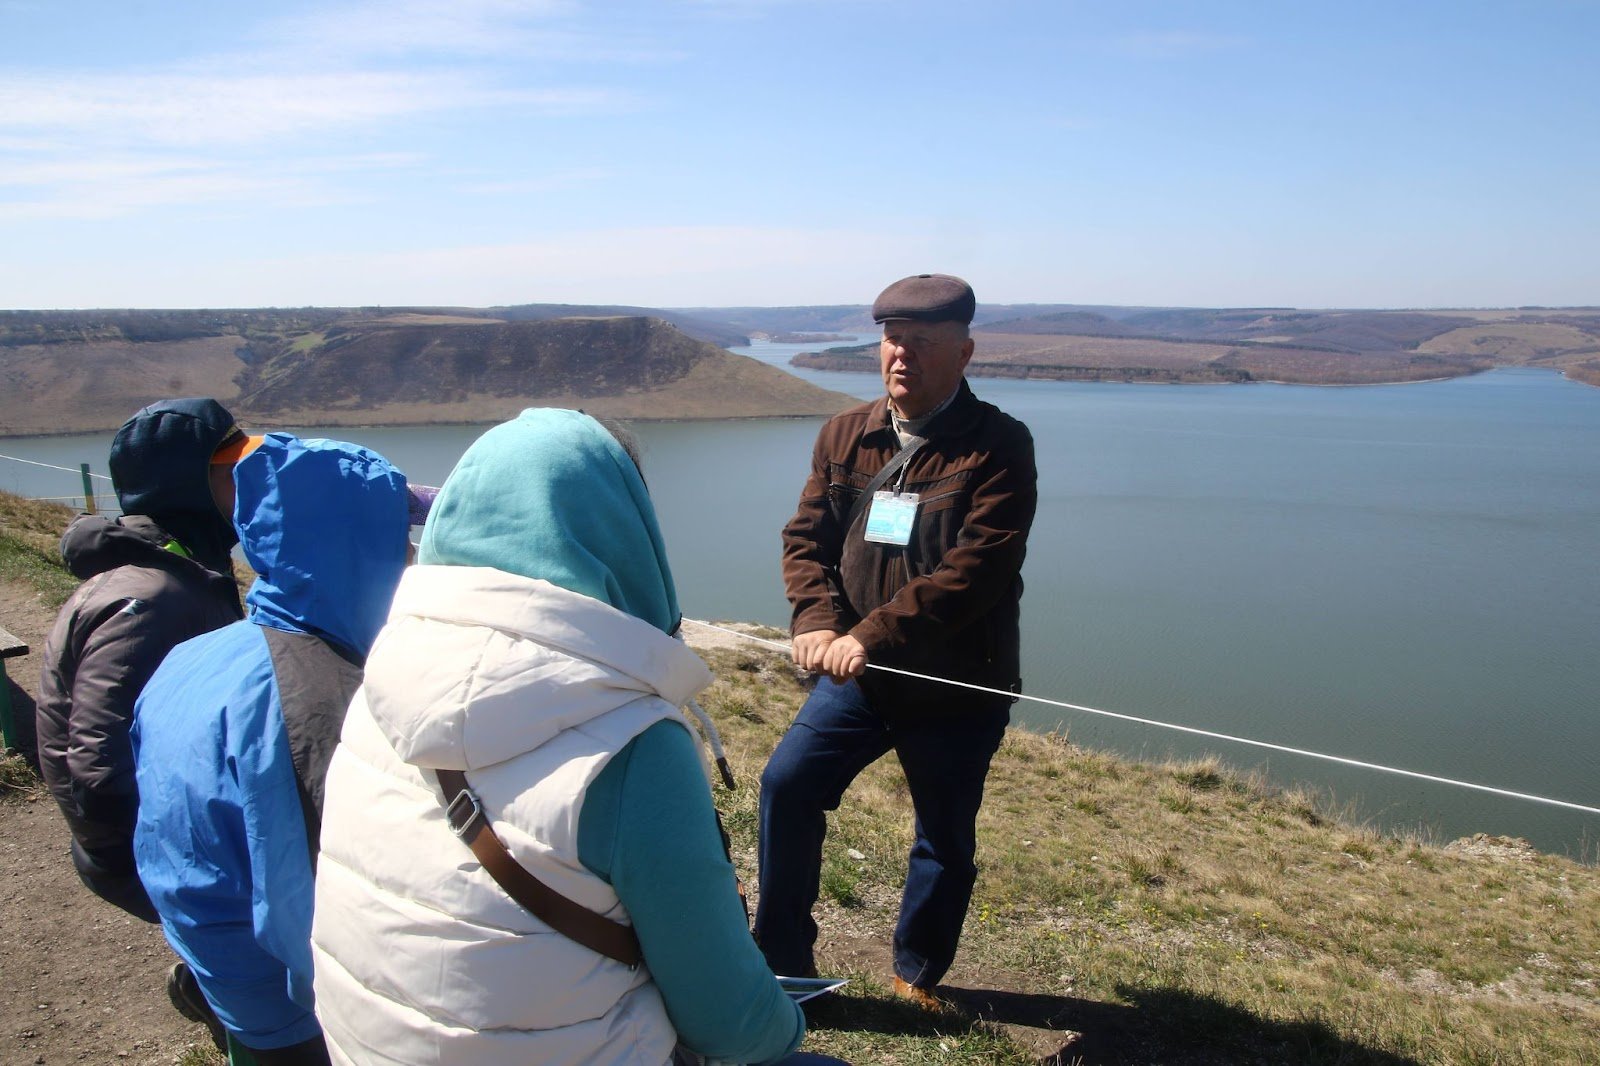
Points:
(967, 348)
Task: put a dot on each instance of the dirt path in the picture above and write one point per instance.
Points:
(80, 981)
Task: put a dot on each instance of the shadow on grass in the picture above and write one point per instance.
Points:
(1165, 1026)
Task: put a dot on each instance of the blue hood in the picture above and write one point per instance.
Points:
(552, 495)
(324, 524)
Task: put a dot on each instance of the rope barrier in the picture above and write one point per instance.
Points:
(1209, 734)
(52, 466)
(1190, 729)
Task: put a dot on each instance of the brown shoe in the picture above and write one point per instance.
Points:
(922, 997)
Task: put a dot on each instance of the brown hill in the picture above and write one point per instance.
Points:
(394, 369)
(69, 388)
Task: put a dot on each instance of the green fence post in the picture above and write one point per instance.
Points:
(88, 489)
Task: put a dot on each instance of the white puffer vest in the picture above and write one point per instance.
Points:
(420, 957)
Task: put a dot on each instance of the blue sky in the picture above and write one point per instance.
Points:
(720, 152)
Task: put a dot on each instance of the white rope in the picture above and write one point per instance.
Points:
(50, 466)
(1197, 732)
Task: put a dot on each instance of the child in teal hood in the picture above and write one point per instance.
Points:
(531, 649)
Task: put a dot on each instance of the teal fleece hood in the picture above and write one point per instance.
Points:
(325, 526)
(551, 495)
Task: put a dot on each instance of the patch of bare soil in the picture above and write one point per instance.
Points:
(80, 981)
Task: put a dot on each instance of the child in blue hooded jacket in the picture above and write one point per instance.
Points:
(233, 734)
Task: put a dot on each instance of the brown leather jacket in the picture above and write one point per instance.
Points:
(945, 604)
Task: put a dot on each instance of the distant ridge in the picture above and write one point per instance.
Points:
(1187, 345)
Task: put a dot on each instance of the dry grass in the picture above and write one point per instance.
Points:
(1196, 914)
(56, 388)
(17, 779)
(30, 532)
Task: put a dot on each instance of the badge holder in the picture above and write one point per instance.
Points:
(891, 517)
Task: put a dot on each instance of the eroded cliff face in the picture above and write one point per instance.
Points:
(369, 366)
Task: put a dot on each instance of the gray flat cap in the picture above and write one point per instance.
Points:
(927, 298)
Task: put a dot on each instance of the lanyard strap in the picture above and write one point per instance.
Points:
(901, 458)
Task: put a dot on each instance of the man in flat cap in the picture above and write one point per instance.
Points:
(905, 552)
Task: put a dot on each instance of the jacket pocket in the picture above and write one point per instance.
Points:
(939, 520)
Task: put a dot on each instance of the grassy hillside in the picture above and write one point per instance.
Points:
(30, 532)
(1179, 913)
(1153, 913)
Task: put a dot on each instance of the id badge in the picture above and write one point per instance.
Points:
(891, 517)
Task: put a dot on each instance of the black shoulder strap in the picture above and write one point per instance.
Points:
(594, 931)
(901, 458)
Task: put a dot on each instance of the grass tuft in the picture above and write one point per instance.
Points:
(17, 778)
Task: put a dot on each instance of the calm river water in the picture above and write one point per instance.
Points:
(1402, 575)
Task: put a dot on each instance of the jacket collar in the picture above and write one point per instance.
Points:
(958, 418)
(93, 544)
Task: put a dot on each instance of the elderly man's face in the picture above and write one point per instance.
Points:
(922, 363)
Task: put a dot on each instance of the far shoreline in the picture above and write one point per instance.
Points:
(978, 373)
(252, 423)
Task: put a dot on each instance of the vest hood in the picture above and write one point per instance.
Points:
(477, 666)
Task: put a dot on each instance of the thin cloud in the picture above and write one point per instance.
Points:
(468, 28)
(183, 109)
(647, 266)
(536, 184)
(108, 187)
(1175, 44)
(756, 8)
(661, 266)
(374, 28)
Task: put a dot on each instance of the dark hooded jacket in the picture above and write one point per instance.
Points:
(152, 579)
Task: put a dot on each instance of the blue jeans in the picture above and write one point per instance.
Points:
(838, 733)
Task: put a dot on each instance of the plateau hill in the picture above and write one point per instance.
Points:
(81, 371)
